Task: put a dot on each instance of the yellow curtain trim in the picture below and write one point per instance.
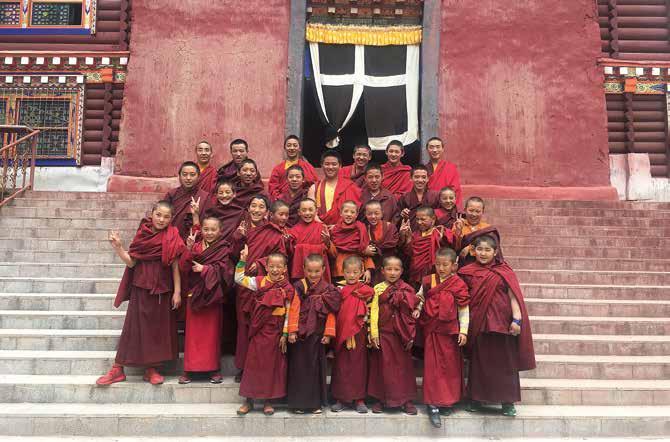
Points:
(363, 35)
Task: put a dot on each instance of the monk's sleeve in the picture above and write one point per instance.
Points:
(293, 315)
(374, 315)
(330, 326)
(243, 280)
(275, 181)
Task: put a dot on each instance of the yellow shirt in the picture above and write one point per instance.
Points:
(288, 163)
(329, 192)
(374, 309)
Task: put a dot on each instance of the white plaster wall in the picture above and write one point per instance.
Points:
(661, 189)
(74, 179)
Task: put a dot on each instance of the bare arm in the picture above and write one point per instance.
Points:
(516, 310)
(311, 193)
(115, 241)
(176, 280)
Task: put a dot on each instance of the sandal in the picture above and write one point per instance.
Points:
(299, 411)
(268, 410)
(474, 407)
(245, 408)
(317, 411)
(508, 410)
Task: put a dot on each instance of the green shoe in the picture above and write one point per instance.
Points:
(473, 407)
(446, 411)
(508, 410)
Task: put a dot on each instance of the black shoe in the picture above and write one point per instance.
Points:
(446, 411)
(434, 416)
(238, 377)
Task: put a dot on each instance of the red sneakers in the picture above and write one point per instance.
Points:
(115, 374)
(152, 376)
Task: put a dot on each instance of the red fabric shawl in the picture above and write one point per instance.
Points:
(483, 281)
(422, 251)
(353, 309)
(350, 238)
(208, 178)
(350, 173)
(440, 313)
(344, 191)
(208, 287)
(227, 172)
(263, 240)
(469, 239)
(278, 183)
(446, 219)
(316, 303)
(307, 240)
(244, 194)
(445, 175)
(266, 298)
(398, 179)
(229, 214)
(293, 205)
(180, 198)
(402, 298)
(386, 200)
(411, 201)
(387, 242)
(164, 245)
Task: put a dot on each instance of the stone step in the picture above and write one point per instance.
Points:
(584, 241)
(143, 204)
(601, 345)
(598, 307)
(600, 205)
(64, 233)
(190, 420)
(69, 320)
(496, 211)
(68, 223)
(595, 291)
(59, 340)
(56, 270)
(58, 301)
(81, 389)
(599, 367)
(588, 264)
(23, 284)
(545, 276)
(56, 195)
(588, 252)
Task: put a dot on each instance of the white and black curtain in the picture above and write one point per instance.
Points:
(386, 77)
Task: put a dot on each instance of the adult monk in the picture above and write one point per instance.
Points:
(239, 150)
(185, 197)
(247, 182)
(208, 176)
(417, 197)
(331, 192)
(442, 172)
(296, 192)
(278, 183)
(397, 176)
(372, 190)
(356, 172)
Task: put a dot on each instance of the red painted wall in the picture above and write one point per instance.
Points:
(203, 69)
(521, 97)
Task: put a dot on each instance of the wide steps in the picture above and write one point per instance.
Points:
(587, 264)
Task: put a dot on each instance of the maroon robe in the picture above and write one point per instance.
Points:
(293, 205)
(307, 240)
(229, 214)
(265, 367)
(345, 190)
(149, 335)
(227, 172)
(398, 179)
(386, 200)
(422, 249)
(411, 201)
(496, 357)
(244, 193)
(443, 361)
(206, 292)
(180, 198)
(350, 368)
(348, 239)
(391, 376)
(446, 218)
(307, 388)
(350, 173)
(445, 175)
(208, 178)
(278, 184)
(385, 238)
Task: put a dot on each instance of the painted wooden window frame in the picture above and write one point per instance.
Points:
(25, 27)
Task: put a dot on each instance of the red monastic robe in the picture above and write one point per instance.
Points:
(278, 183)
(350, 368)
(265, 367)
(411, 201)
(227, 172)
(445, 175)
(244, 193)
(180, 198)
(348, 239)
(344, 191)
(384, 236)
(229, 214)
(293, 202)
(398, 179)
(149, 335)
(350, 173)
(205, 293)
(421, 251)
(391, 376)
(386, 200)
(443, 361)
(446, 218)
(469, 239)
(208, 178)
(307, 240)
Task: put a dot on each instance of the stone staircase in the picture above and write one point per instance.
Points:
(596, 276)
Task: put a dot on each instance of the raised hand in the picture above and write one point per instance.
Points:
(325, 236)
(405, 213)
(405, 227)
(370, 250)
(242, 228)
(367, 276)
(244, 253)
(195, 205)
(190, 240)
(115, 239)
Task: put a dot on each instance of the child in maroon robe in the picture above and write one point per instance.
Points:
(444, 316)
(350, 368)
(417, 197)
(383, 238)
(442, 173)
(278, 183)
(152, 285)
(500, 341)
(348, 238)
(447, 212)
(391, 377)
(397, 176)
(208, 271)
(247, 183)
(295, 192)
(265, 367)
(185, 197)
(422, 245)
(308, 238)
(222, 205)
(311, 327)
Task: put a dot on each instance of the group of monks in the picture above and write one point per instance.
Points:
(364, 270)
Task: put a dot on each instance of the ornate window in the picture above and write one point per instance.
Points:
(47, 16)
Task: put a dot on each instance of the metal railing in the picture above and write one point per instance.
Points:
(15, 160)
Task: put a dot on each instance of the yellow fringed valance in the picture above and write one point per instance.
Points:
(363, 35)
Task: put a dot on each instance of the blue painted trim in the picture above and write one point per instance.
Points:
(56, 162)
(44, 31)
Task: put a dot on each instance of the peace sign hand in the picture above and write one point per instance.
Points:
(115, 239)
(190, 240)
(195, 205)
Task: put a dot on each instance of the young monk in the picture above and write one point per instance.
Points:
(443, 314)
(296, 192)
(278, 182)
(152, 286)
(397, 176)
(208, 175)
(348, 238)
(372, 190)
(350, 368)
(391, 377)
(185, 198)
(209, 275)
(442, 173)
(383, 237)
(356, 172)
(333, 190)
(447, 212)
(308, 239)
(464, 229)
(500, 342)
(311, 327)
(239, 151)
(420, 246)
(417, 197)
(221, 205)
(261, 237)
(265, 365)
(247, 183)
